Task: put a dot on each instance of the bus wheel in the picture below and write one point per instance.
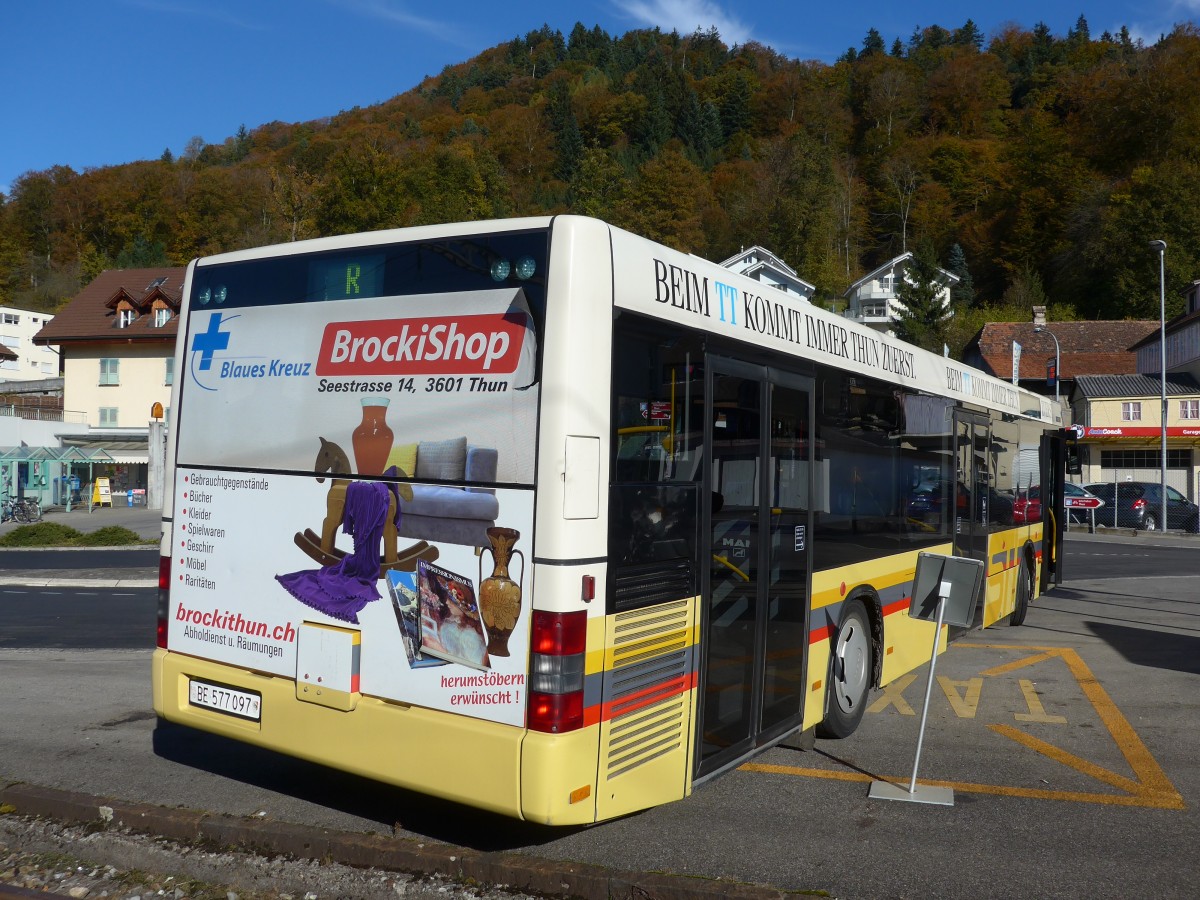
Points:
(1024, 594)
(849, 674)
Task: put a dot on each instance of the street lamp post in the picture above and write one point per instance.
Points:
(1161, 247)
(1042, 329)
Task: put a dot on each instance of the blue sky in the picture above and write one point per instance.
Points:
(100, 82)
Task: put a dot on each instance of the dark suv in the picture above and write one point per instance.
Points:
(1139, 505)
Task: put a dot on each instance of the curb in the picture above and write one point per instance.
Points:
(510, 871)
(35, 581)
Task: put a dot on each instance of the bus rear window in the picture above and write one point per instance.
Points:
(469, 263)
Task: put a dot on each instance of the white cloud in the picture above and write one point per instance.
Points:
(395, 13)
(685, 16)
(196, 10)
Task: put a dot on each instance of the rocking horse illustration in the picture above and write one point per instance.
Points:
(333, 459)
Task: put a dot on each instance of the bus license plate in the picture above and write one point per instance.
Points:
(243, 704)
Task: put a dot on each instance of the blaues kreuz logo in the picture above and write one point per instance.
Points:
(205, 346)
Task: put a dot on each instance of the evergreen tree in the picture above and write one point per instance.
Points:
(962, 294)
(872, 43)
(924, 318)
(969, 36)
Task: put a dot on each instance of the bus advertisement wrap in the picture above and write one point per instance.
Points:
(245, 583)
(380, 444)
(450, 365)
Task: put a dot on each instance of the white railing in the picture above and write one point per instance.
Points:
(39, 414)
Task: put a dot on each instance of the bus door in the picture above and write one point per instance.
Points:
(756, 591)
(1053, 458)
(972, 492)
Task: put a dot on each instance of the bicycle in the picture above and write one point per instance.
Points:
(28, 510)
(24, 511)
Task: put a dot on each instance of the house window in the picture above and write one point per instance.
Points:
(126, 317)
(1131, 411)
(13, 319)
(108, 417)
(162, 316)
(1189, 409)
(169, 378)
(110, 371)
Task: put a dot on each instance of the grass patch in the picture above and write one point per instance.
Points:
(53, 534)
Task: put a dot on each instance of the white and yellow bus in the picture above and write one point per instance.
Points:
(544, 518)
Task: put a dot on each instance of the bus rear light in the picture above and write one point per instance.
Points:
(559, 634)
(164, 600)
(555, 713)
(556, 672)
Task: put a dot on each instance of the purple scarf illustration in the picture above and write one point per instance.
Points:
(342, 589)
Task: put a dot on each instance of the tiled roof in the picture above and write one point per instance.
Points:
(6, 353)
(1171, 326)
(92, 316)
(1087, 348)
(1178, 385)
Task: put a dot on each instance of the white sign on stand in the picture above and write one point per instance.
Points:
(945, 590)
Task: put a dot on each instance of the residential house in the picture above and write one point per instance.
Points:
(27, 361)
(763, 265)
(117, 343)
(873, 300)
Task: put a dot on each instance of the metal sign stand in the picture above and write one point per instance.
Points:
(924, 793)
(940, 582)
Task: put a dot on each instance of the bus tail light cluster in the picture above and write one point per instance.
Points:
(164, 599)
(556, 671)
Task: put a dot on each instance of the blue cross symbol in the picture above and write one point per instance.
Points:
(209, 342)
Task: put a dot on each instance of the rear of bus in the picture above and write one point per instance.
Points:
(354, 569)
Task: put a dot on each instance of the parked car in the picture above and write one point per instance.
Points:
(1074, 495)
(1139, 505)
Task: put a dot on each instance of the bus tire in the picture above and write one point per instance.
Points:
(1024, 594)
(850, 672)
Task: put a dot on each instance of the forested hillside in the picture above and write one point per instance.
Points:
(1038, 165)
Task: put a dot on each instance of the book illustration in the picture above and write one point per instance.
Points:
(451, 628)
(403, 589)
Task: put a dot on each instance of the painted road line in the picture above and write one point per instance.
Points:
(1149, 786)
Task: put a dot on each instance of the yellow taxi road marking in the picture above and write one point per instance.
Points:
(967, 704)
(1147, 772)
(1069, 759)
(1172, 801)
(1149, 787)
(1037, 712)
(893, 695)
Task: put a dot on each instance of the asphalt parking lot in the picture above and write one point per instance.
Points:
(1068, 744)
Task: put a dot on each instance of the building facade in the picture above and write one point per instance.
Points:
(873, 299)
(117, 343)
(26, 361)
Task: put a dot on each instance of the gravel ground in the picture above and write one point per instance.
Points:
(72, 861)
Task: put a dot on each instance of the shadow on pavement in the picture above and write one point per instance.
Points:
(1153, 649)
(392, 807)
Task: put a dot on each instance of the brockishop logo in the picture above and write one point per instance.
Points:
(459, 345)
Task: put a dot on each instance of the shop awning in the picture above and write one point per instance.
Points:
(124, 452)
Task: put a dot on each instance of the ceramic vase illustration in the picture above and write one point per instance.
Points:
(372, 439)
(499, 595)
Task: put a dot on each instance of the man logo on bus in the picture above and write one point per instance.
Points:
(207, 343)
